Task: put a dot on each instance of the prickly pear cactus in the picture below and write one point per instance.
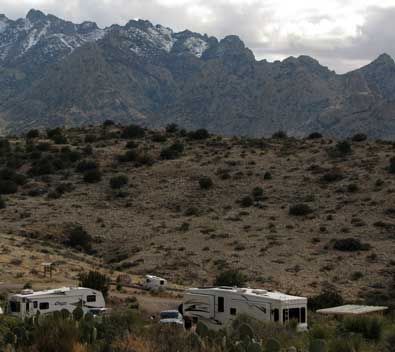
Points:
(318, 345)
(202, 329)
(272, 345)
(254, 347)
(245, 330)
(94, 335)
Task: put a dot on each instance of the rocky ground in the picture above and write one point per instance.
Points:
(171, 221)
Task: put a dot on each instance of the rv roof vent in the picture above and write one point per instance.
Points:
(242, 290)
(259, 292)
(27, 292)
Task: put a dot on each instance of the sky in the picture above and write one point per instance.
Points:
(341, 34)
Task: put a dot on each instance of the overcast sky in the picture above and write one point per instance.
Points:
(341, 34)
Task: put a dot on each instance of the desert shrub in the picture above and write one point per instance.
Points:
(129, 156)
(332, 176)
(86, 165)
(172, 128)
(300, 209)
(63, 336)
(391, 167)
(359, 137)
(314, 135)
(90, 138)
(328, 297)
(95, 281)
(267, 176)
(43, 166)
(231, 278)
(198, 134)
(51, 133)
(370, 328)
(44, 147)
(33, 134)
(172, 152)
(350, 245)
(159, 138)
(77, 237)
(92, 176)
(205, 182)
(279, 135)
(131, 145)
(343, 147)
(60, 139)
(108, 123)
(352, 188)
(11, 175)
(246, 202)
(144, 159)
(132, 132)
(117, 182)
(257, 193)
(8, 187)
(3, 204)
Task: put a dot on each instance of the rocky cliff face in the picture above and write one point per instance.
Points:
(54, 72)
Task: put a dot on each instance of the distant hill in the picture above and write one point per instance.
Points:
(54, 72)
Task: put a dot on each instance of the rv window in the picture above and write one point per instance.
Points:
(15, 307)
(35, 304)
(221, 304)
(162, 282)
(27, 306)
(276, 315)
(44, 306)
(91, 298)
(303, 315)
(294, 314)
(233, 311)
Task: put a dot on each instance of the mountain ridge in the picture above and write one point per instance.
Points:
(54, 72)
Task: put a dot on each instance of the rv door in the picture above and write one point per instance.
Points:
(197, 305)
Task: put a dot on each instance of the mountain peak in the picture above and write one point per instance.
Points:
(384, 59)
(35, 15)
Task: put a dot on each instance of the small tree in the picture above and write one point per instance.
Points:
(119, 181)
(231, 278)
(198, 134)
(95, 281)
(133, 131)
(33, 134)
(77, 237)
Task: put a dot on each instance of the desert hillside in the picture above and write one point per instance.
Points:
(290, 213)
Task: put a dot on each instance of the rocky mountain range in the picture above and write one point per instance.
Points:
(54, 72)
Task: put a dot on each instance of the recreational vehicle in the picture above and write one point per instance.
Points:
(28, 302)
(217, 306)
(154, 283)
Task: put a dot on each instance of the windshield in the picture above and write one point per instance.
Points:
(169, 315)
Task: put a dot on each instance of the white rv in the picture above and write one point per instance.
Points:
(217, 306)
(28, 302)
(154, 283)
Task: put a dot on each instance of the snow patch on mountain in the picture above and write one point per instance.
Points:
(196, 46)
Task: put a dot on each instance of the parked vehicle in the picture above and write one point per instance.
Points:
(217, 306)
(28, 302)
(154, 283)
(172, 317)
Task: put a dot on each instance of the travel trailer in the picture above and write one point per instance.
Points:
(28, 302)
(217, 306)
(154, 283)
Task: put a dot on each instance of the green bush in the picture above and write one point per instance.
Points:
(246, 202)
(231, 278)
(280, 135)
(300, 209)
(117, 182)
(3, 204)
(172, 152)
(129, 156)
(77, 237)
(92, 176)
(391, 167)
(132, 132)
(371, 328)
(33, 134)
(314, 135)
(205, 182)
(8, 187)
(86, 165)
(95, 281)
(329, 297)
(198, 134)
(350, 245)
(359, 137)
